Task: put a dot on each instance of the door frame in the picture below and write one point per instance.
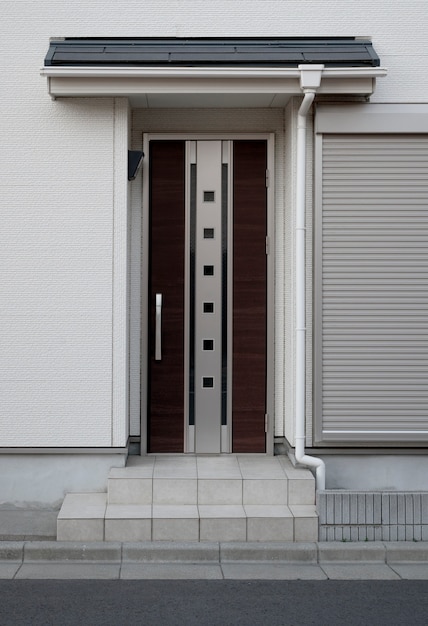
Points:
(270, 258)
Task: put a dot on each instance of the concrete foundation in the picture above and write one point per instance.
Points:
(42, 480)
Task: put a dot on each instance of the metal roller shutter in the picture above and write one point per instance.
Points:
(371, 338)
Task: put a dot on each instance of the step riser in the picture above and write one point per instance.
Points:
(210, 491)
(195, 530)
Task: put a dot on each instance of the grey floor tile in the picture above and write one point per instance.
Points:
(104, 571)
(359, 571)
(170, 571)
(274, 571)
(411, 571)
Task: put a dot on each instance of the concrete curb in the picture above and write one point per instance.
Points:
(331, 552)
(213, 553)
(170, 552)
(268, 552)
(72, 551)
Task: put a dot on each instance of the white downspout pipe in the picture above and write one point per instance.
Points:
(310, 81)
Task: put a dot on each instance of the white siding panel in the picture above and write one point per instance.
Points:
(374, 326)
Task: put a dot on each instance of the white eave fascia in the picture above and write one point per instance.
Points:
(75, 81)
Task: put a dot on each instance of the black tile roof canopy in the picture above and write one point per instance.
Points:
(226, 52)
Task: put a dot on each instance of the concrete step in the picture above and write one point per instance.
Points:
(171, 498)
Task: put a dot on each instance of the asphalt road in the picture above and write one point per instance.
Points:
(268, 603)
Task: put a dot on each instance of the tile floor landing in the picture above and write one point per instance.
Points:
(196, 498)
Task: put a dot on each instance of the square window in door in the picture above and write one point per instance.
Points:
(209, 196)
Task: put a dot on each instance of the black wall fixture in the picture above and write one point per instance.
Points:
(135, 160)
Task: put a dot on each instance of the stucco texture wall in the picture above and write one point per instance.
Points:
(56, 189)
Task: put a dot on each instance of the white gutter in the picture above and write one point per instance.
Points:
(71, 71)
(310, 81)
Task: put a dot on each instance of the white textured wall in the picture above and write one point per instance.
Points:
(55, 273)
(57, 193)
(56, 240)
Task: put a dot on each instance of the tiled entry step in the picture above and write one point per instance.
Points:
(196, 498)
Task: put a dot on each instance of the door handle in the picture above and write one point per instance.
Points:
(158, 328)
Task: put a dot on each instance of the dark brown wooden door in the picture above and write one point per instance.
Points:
(167, 378)
(249, 296)
(167, 235)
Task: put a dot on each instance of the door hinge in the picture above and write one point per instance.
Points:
(267, 245)
(266, 422)
(267, 178)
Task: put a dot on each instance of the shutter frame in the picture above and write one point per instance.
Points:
(353, 171)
